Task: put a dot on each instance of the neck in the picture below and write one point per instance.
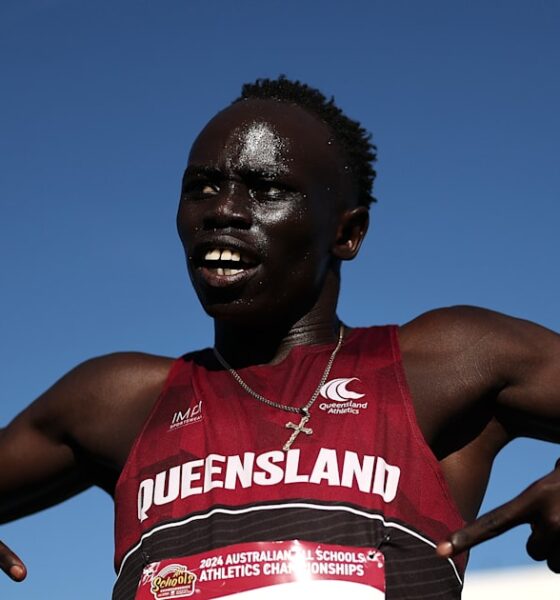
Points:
(243, 345)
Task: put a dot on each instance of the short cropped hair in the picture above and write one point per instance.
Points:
(352, 138)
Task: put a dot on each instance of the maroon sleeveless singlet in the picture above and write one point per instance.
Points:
(208, 471)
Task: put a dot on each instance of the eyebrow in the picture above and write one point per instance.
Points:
(214, 172)
(201, 170)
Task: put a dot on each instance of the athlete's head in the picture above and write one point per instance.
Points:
(353, 140)
(270, 205)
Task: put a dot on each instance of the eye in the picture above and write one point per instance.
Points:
(268, 190)
(208, 189)
(199, 189)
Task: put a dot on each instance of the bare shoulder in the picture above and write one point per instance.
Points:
(456, 324)
(109, 380)
(461, 331)
(124, 373)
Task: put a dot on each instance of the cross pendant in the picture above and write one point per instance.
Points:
(297, 430)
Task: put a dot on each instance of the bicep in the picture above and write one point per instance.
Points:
(78, 433)
(529, 402)
(41, 458)
(38, 468)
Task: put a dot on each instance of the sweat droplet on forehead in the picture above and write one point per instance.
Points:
(259, 147)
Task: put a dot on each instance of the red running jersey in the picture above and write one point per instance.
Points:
(208, 470)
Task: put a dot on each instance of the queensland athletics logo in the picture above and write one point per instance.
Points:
(173, 581)
(343, 400)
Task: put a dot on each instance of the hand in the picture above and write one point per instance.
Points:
(11, 564)
(538, 505)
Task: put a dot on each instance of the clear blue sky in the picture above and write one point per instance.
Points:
(100, 101)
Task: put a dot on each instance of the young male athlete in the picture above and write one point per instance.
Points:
(366, 449)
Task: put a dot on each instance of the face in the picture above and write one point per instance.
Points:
(260, 209)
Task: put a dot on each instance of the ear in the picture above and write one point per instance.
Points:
(352, 228)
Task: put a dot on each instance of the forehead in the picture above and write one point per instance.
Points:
(270, 136)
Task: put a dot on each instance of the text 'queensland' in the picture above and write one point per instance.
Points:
(369, 474)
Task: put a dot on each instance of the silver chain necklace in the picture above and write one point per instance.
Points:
(304, 410)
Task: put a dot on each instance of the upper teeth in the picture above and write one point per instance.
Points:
(217, 254)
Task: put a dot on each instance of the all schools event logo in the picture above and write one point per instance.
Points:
(344, 401)
(173, 581)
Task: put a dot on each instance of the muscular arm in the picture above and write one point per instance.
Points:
(77, 434)
(462, 359)
(480, 379)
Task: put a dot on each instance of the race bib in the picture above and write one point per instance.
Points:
(268, 570)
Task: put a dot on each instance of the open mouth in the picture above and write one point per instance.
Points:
(226, 262)
(222, 266)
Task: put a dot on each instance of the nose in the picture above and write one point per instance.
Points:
(229, 208)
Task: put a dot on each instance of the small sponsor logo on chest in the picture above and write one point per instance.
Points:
(193, 414)
(343, 401)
